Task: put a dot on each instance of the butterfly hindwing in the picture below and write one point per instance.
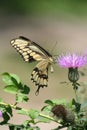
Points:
(31, 51)
(40, 75)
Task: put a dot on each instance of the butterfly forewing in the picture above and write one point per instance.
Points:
(24, 48)
(31, 51)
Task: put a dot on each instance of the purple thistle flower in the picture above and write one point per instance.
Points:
(71, 60)
(0, 113)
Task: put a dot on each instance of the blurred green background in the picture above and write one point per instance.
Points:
(44, 7)
(58, 24)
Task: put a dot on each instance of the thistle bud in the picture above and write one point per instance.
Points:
(73, 74)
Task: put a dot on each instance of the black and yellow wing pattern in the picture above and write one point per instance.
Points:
(31, 51)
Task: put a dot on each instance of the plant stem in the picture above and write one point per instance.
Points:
(48, 117)
(19, 108)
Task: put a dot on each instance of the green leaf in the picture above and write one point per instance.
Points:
(15, 127)
(21, 98)
(15, 77)
(10, 79)
(14, 81)
(9, 110)
(11, 127)
(6, 117)
(56, 102)
(11, 89)
(46, 109)
(70, 128)
(44, 119)
(59, 101)
(77, 105)
(25, 90)
(23, 112)
(33, 113)
(50, 102)
(7, 78)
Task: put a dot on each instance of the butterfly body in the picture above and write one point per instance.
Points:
(31, 51)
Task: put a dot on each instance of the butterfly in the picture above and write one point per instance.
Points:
(31, 51)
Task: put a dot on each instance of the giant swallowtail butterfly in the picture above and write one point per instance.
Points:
(31, 51)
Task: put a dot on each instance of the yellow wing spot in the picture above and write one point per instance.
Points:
(25, 49)
(33, 72)
(41, 81)
(17, 49)
(20, 51)
(12, 41)
(26, 57)
(15, 46)
(37, 57)
(32, 54)
(24, 53)
(29, 51)
(36, 77)
(45, 82)
(38, 80)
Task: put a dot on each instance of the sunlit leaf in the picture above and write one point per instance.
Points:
(43, 119)
(23, 112)
(7, 78)
(33, 113)
(11, 89)
(15, 77)
(10, 79)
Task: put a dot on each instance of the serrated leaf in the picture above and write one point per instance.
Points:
(11, 89)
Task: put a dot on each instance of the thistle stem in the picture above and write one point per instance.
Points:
(75, 90)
